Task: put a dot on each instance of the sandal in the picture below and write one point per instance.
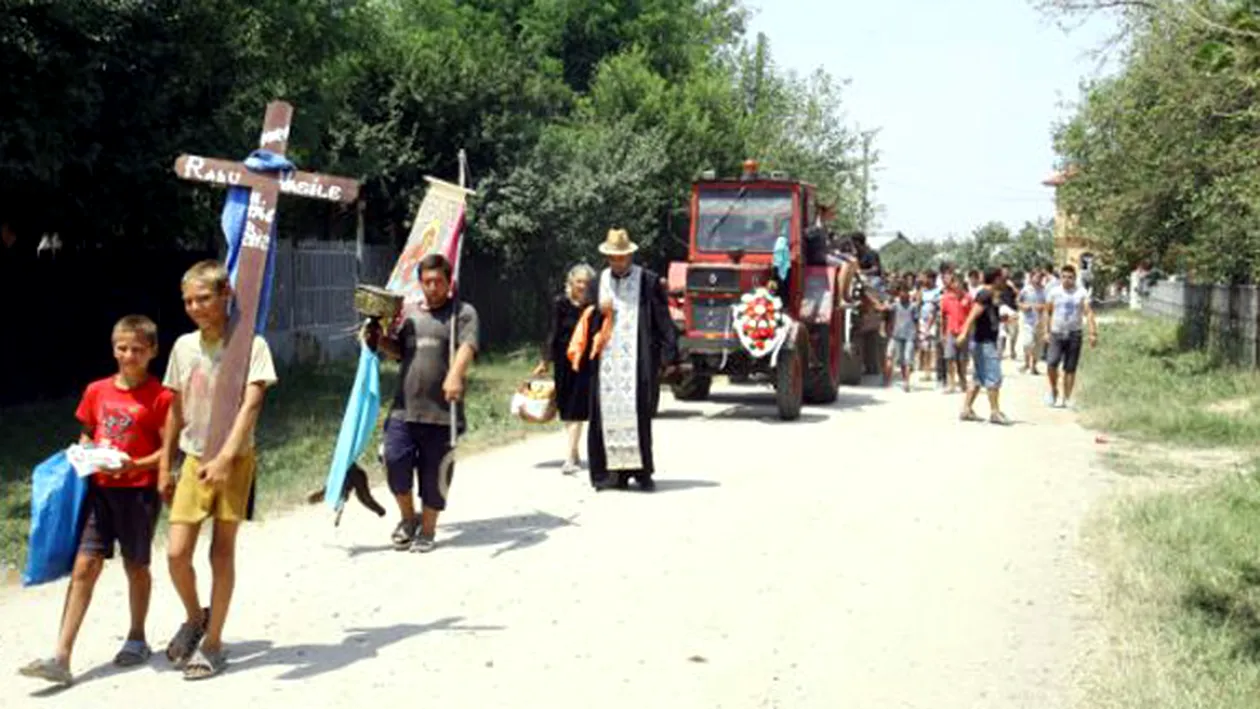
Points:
(204, 665)
(133, 653)
(186, 639)
(48, 669)
(404, 533)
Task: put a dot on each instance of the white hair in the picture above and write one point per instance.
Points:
(579, 271)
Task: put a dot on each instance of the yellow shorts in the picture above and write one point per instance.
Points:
(195, 501)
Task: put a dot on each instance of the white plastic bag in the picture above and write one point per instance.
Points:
(89, 459)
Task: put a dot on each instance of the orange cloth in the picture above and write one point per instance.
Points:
(577, 343)
(582, 334)
(604, 335)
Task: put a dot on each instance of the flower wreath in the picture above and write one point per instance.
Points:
(760, 322)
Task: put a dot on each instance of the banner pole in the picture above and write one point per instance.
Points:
(459, 247)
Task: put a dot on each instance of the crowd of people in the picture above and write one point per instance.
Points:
(955, 329)
(610, 343)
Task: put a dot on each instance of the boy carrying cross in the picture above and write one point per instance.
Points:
(220, 488)
(126, 412)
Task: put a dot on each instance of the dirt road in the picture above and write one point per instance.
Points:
(878, 553)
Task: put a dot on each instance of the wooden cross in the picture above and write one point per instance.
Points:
(265, 190)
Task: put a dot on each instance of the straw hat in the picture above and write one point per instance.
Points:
(618, 243)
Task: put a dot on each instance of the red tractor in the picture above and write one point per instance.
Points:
(718, 297)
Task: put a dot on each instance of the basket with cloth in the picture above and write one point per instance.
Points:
(535, 401)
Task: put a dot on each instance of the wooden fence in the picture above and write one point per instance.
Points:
(58, 311)
(1223, 319)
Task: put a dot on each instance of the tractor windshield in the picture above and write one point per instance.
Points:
(747, 219)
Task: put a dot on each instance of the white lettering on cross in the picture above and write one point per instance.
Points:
(193, 166)
(275, 135)
(256, 211)
(255, 238)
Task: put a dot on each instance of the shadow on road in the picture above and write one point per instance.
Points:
(763, 413)
(678, 414)
(310, 660)
(513, 533)
(304, 661)
(674, 485)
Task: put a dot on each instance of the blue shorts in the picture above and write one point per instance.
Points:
(415, 451)
(901, 352)
(987, 361)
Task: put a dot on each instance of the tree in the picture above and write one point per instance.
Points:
(1162, 156)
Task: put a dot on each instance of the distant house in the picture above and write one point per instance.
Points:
(1070, 244)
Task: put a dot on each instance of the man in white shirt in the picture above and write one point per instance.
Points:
(1068, 309)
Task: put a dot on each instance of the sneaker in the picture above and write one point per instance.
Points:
(423, 544)
(1050, 400)
(404, 533)
(998, 418)
(1065, 404)
(570, 468)
(968, 416)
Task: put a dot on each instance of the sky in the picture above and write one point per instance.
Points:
(965, 94)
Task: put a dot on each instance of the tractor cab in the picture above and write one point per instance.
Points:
(756, 241)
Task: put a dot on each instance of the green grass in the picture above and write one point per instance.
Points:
(296, 435)
(1139, 383)
(1182, 557)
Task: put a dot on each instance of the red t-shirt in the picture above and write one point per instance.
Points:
(129, 420)
(955, 308)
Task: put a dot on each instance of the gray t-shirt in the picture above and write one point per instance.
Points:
(904, 319)
(425, 340)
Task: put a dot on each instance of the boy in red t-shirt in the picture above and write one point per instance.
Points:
(955, 306)
(126, 412)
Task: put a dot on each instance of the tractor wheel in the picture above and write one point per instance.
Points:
(692, 387)
(789, 385)
(824, 372)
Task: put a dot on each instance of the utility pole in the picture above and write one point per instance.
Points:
(865, 214)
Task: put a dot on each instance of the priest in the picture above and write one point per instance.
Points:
(629, 336)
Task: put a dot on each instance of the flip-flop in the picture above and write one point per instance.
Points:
(204, 665)
(48, 669)
(186, 639)
(133, 653)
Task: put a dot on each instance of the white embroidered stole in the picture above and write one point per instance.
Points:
(618, 371)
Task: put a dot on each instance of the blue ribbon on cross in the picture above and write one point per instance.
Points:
(233, 219)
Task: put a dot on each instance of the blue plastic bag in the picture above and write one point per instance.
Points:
(57, 495)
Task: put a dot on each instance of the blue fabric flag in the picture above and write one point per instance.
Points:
(57, 494)
(782, 257)
(232, 221)
(357, 424)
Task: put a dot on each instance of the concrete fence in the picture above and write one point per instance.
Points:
(1223, 319)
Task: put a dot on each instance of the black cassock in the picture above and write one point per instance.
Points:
(657, 344)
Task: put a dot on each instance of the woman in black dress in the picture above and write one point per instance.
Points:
(573, 389)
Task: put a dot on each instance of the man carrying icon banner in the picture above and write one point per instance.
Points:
(436, 239)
